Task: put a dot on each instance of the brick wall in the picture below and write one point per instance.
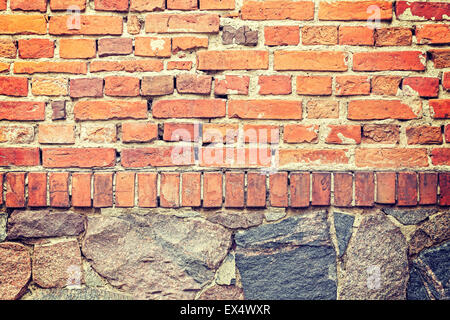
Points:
(227, 104)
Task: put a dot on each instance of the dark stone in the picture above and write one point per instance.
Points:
(228, 33)
(416, 289)
(431, 232)
(76, 294)
(59, 110)
(237, 220)
(409, 216)
(343, 224)
(43, 223)
(290, 259)
(246, 37)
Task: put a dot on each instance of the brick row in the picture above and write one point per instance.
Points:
(233, 189)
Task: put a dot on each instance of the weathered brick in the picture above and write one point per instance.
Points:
(354, 10)
(46, 86)
(440, 157)
(265, 109)
(444, 186)
(30, 67)
(424, 135)
(147, 189)
(179, 65)
(191, 83)
(383, 109)
(37, 189)
(433, 34)
(381, 133)
(216, 4)
(36, 48)
(407, 189)
(98, 133)
(230, 84)
(217, 132)
(124, 191)
(188, 43)
(103, 190)
(323, 109)
(57, 133)
(181, 131)
(281, 35)
(106, 110)
(22, 110)
(115, 46)
(300, 133)
(256, 190)
(315, 35)
(8, 48)
(440, 108)
(277, 10)
(210, 108)
(278, 84)
(141, 65)
(310, 60)
(27, 5)
(174, 23)
(219, 157)
(233, 60)
(356, 36)
(23, 24)
(78, 157)
(386, 85)
(89, 25)
(299, 189)
(147, 5)
(14, 86)
(212, 189)
(421, 86)
(152, 47)
(170, 190)
(314, 85)
(157, 85)
(352, 85)
(122, 86)
(16, 134)
(15, 190)
(139, 131)
(1, 177)
(312, 156)
(58, 184)
(234, 190)
(134, 24)
(344, 134)
(57, 5)
(19, 157)
(191, 189)
(182, 4)
(446, 81)
(393, 37)
(278, 189)
(111, 5)
(428, 182)
(343, 189)
(77, 48)
(421, 10)
(386, 187)
(391, 157)
(321, 189)
(58, 110)
(86, 87)
(389, 60)
(364, 189)
(81, 189)
(4, 67)
(157, 157)
(447, 133)
(440, 58)
(260, 133)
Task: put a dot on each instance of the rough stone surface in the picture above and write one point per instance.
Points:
(416, 289)
(222, 293)
(290, 259)
(236, 220)
(155, 256)
(226, 275)
(57, 265)
(3, 221)
(409, 216)
(41, 224)
(376, 266)
(15, 270)
(343, 224)
(76, 294)
(430, 232)
(275, 214)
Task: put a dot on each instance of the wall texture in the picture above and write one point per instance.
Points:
(212, 149)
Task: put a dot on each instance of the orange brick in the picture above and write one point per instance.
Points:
(344, 134)
(407, 189)
(323, 109)
(179, 65)
(440, 58)
(315, 35)
(49, 86)
(15, 190)
(385, 61)
(111, 5)
(444, 186)
(57, 133)
(386, 85)
(78, 157)
(124, 189)
(440, 108)
(424, 135)
(89, 25)
(22, 110)
(147, 5)
(260, 133)
(152, 47)
(321, 189)
(161, 156)
(139, 131)
(181, 131)
(354, 10)
(141, 65)
(30, 67)
(122, 86)
(278, 189)
(428, 182)
(232, 60)
(190, 192)
(231, 85)
(170, 190)
(106, 110)
(343, 189)
(58, 184)
(299, 133)
(27, 5)
(23, 24)
(14, 86)
(208, 108)
(383, 109)
(19, 157)
(216, 4)
(281, 35)
(103, 190)
(188, 43)
(8, 48)
(81, 189)
(310, 60)
(440, 157)
(277, 10)
(356, 36)
(386, 187)
(218, 133)
(364, 189)
(175, 23)
(314, 85)
(393, 37)
(256, 190)
(433, 34)
(299, 189)
(147, 189)
(36, 48)
(37, 189)
(312, 156)
(182, 4)
(265, 109)
(352, 85)
(277, 84)
(77, 48)
(234, 190)
(212, 189)
(391, 157)
(57, 5)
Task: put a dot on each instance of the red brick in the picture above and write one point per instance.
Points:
(188, 43)
(314, 85)
(181, 131)
(19, 157)
(277, 10)
(111, 5)
(89, 25)
(3, 4)
(421, 86)
(386, 187)
(152, 47)
(219, 157)
(393, 37)
(81, 189)
(139, 131)
(179, 65)
(447, 133)
(319, 35)
(30, 67)
(217, 133)
(1, 183)
(440, 157)
(278, 84)
(208, 108)
(232, 60)
(234, 190)
(391, 157)
(124, 189)
(323, 109)
(446, 81)
(157, 85)
(389, 60)
(310, 60)
(58, 184)
(147, 189)
(216, 4)
(16, 134)
(343, 189)
(421, 10)
(107, 110)
(78, 157)
(173, 23)
(114, 46)
(364, 189)
(278, 189)
(37, 189)
(383, 109)
(440, 58)
(256, 190)
(352, 85)
(321, 189)
(281, 35)
(57, 133)
(122, 86)
(56, 5)
(356, 36)
(444, 186)
(15, 190)
(182, 4)
(14, 86)
(147, 5)
(260, 133)
(386, 85)
(22, 110)
(354, 10)
(312, 156)
(440, 108)
(77, 48)
(424, 135)
(433, 34)
(8, 48)
(407, 189)
(36, 48)
(428, 182)
(191, 83)
(190, 192)
(344, 134)
(212, 189)
(49, 86)
(300, 133)
(157, 157)
(231, 85)
(299, 189)
(23, 24)
(27, 5)
(86, 87)
(103, 190)
(265, 109)
(170, 190)
(142, 65)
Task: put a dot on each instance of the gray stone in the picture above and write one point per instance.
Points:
(3, 220)
(58, 110)
(155, 256)
(431, 232)
(274, 214)
(236, 220)
(376, 261)
(226, 275)
(15, 270)
(343, 224)
(228, 33)
(43, 223)
(409, 216)
(416, 288)
(76, 294)
(290, 259)
(245, 36)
